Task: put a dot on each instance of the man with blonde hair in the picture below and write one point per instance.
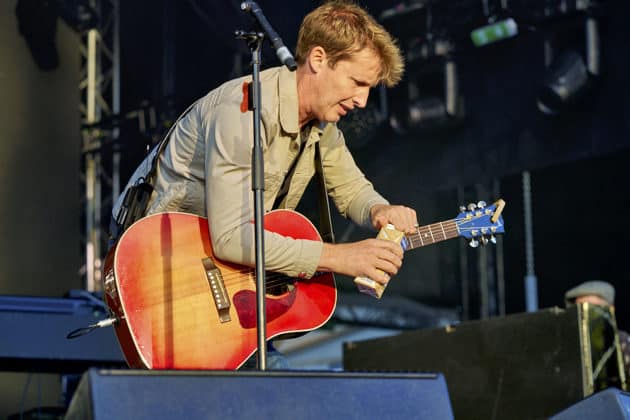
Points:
(205, 168)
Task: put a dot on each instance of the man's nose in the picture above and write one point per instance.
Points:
(360, 99)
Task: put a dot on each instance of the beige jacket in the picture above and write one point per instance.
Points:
(205, 169)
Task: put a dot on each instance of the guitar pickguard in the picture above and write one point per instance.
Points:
(245, 305)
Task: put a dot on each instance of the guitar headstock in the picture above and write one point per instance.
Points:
(479, 223)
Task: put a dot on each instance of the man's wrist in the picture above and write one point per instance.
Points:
(327, 261)
(374, 208)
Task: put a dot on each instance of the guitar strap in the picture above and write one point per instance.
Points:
(325, 222)
(134, 203)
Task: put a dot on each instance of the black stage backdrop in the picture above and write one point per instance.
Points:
(577, 160)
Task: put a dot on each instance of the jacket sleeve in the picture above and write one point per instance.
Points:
(229, 198)
(350, 190)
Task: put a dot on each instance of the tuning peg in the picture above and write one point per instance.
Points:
(484, 241)
(472, 206)
(462, 208)
(493, 239)
(481, 204)
(473, 243)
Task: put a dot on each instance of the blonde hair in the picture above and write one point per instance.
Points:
(343, 28)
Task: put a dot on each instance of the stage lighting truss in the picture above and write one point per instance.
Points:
(456, 20)
(100, 98)
(432, 32)
(545, 11)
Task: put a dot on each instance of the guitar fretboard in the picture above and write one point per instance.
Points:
(430, 234)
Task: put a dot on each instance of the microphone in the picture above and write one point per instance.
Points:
(282, 51)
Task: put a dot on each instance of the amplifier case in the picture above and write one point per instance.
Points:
(529, 365)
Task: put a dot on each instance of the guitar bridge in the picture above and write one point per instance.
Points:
(217, 286)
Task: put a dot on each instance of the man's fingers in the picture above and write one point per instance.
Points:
(388, 267)
(380, 222)
(378, 259)
(413, 224)
(410, 220)
(405, 219)
(392, 247)
(391, 257)
(379, 276)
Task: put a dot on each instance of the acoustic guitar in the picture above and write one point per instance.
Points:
(179, 307)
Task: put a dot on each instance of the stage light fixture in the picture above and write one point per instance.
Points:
(427, 110)
(429, 98)
(566, 82)
(570, 77)
(37, 23)
(79, 15)
(494, 32)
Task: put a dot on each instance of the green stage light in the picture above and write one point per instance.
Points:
(494, 32)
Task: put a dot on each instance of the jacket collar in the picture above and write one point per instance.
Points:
(288, 101)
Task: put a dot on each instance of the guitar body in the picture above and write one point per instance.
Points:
(158, 286)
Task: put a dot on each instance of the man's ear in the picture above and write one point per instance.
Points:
(317, 59)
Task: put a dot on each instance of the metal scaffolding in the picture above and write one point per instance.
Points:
(100, 102)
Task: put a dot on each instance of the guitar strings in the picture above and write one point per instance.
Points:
(441, 231)
(272, 279)
(448, 228)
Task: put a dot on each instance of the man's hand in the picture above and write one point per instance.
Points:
(363, 259)
(403, 218)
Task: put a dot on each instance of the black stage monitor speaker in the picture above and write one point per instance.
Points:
(611, 404)
(523, 366)
(128, 394)
(39, 326)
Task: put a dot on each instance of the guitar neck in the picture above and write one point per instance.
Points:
(431, 234)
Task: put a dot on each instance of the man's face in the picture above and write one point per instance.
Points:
(346, 85)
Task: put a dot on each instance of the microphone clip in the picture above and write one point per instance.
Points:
(249, 36)
(283, 53)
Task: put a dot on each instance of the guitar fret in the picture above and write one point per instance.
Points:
(452, 229)
(410, 241)
(425, 235)
(432, 238)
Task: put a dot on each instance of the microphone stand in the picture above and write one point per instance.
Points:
(254, 42)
